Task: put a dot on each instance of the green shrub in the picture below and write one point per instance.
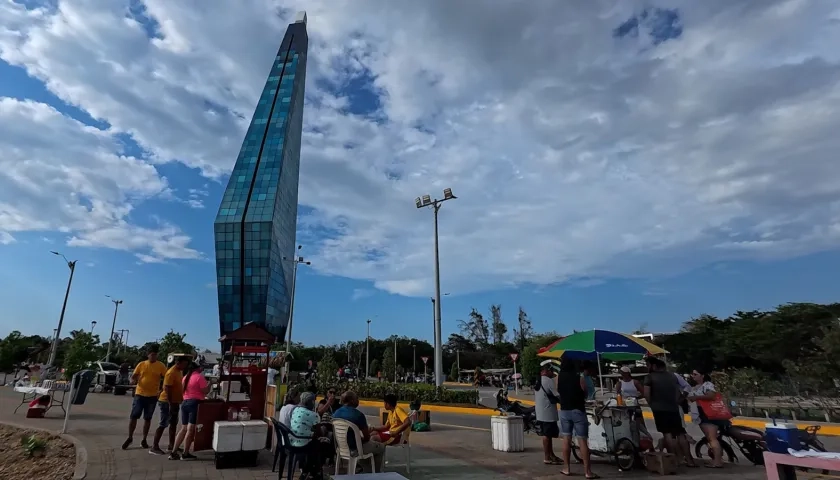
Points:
(406, 392)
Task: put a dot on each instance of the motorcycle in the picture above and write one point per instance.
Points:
(505, 406)
(752, 443)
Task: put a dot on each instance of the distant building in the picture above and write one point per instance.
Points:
(255, 227)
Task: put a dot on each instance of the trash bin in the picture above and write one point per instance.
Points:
(81, 385)
(508, 433)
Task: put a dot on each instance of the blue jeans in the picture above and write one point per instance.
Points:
(189, 412)
(143, 407)
(168, 414)
(574, 422)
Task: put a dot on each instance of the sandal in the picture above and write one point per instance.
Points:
(593, 476)
(566, 474)
(553, 462)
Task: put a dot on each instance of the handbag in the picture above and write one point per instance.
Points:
(715, 409)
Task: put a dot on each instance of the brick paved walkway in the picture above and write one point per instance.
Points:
(444, 453)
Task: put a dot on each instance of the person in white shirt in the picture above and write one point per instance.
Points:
(285, 415)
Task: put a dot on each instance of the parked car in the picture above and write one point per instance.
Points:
(108, 377)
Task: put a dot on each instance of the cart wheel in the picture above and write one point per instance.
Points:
(625, 454)
(576, 454)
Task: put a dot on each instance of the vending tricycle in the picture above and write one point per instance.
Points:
(613, 434)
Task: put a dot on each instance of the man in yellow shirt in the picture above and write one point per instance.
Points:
(170, 403)
(148, 376)
(396, 423)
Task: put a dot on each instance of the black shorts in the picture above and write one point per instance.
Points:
(668, 423)
(548, 429)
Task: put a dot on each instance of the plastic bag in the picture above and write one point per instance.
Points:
(715, 409)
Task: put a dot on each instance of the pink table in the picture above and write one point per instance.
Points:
(781, 466)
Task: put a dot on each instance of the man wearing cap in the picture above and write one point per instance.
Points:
(546, 399)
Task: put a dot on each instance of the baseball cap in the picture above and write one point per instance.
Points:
(625, 369)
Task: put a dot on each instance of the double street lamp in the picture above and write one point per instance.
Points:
(54, 349)
(423, 202)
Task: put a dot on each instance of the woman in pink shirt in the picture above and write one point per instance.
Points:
(195, 390)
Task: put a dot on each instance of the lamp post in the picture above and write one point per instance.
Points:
(92, 325)
(458, 361)
(296, 260)
(414, 359)
(117, 304)
(367, 351)
(395, 359)
(54, 349)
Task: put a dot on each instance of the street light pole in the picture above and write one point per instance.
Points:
(54, 348)
(92, 324)
(413, 359)
(421, 202)
(458, 361)
(297, 260)
(395, 359)
(117, 304)
(367, 352)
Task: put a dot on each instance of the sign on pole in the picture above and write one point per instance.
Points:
(425, 359)
(425, 362)
(514, 356)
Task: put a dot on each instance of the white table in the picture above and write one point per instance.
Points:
(373, 476)
(31, 393)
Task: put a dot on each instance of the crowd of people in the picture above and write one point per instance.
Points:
(669, 396)
(176, 391)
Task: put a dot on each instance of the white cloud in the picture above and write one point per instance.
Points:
(574, 153)
(360, 293)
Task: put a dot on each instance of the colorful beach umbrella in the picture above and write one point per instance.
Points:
(597, 344)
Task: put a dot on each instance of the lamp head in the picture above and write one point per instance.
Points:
(447, 194)
(417, 202)
(427, 200)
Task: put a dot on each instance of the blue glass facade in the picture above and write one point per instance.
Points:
(255, 227)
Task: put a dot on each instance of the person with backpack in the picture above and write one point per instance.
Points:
(546, 400)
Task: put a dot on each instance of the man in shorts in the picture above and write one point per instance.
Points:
(148, 376)
(169, 403)
(546, 399)
(663, 396)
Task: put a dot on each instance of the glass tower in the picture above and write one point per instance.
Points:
(255, 227)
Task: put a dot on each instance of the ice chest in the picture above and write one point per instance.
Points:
(253, 435)
(508, 433)
(227, 436)
(781, 436)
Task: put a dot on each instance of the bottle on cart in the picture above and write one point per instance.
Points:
(233, 414)
(619, 400)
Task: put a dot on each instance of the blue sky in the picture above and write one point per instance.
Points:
(602, 186)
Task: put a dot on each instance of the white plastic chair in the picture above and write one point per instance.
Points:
(404, 443)
(342, 448)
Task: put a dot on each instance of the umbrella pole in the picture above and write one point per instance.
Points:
(600, 377)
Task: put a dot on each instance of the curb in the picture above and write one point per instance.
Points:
(487, 412)
(80, 470)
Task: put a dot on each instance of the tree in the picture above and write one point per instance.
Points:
(389, 368)
(13, 351)
(497, 325)
(529, 363)
(524, 331)
(458, 343)
(374, 367)
(327, 372)
(81, 351)
(475, 329)
(173, 342)
(454, 373)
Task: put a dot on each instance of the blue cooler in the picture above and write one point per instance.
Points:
(782, 436)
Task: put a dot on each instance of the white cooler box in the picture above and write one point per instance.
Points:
(253, 435)
(508, 433)
(227, 437)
